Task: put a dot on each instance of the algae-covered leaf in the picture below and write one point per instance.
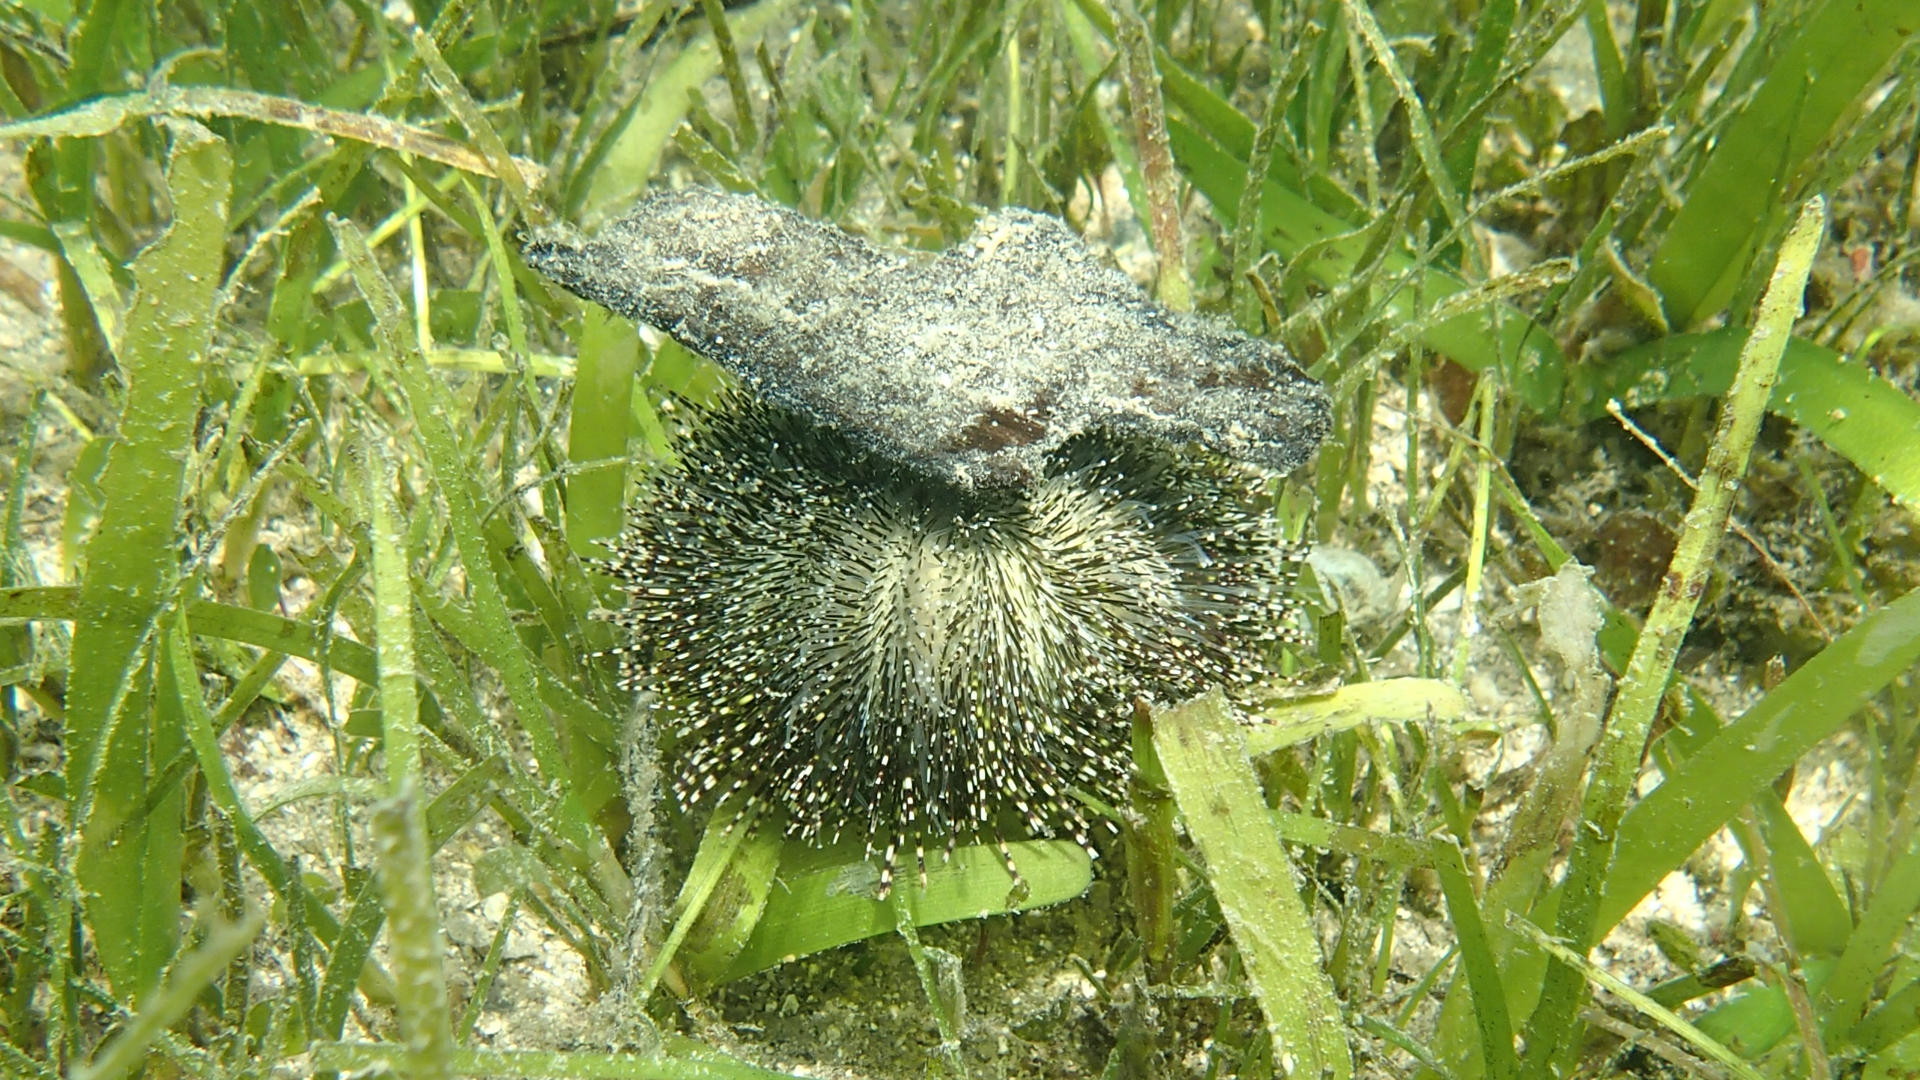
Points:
(1205, 756)
(130, 855)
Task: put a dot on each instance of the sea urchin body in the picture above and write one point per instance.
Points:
(874, 653)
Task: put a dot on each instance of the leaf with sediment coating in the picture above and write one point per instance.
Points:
(971, 366)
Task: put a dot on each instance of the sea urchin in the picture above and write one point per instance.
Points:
(878, 653)
(909, 581)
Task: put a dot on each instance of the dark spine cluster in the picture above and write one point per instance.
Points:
(876, 654)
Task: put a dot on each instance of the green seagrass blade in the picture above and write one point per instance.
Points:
(760, 914)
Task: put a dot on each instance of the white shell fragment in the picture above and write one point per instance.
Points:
(971, 366)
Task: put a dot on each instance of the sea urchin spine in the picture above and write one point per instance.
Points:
(875, 653)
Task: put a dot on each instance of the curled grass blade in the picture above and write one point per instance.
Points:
(940, 983)
(1388, 701)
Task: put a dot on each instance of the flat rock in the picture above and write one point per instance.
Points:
(970, 366)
